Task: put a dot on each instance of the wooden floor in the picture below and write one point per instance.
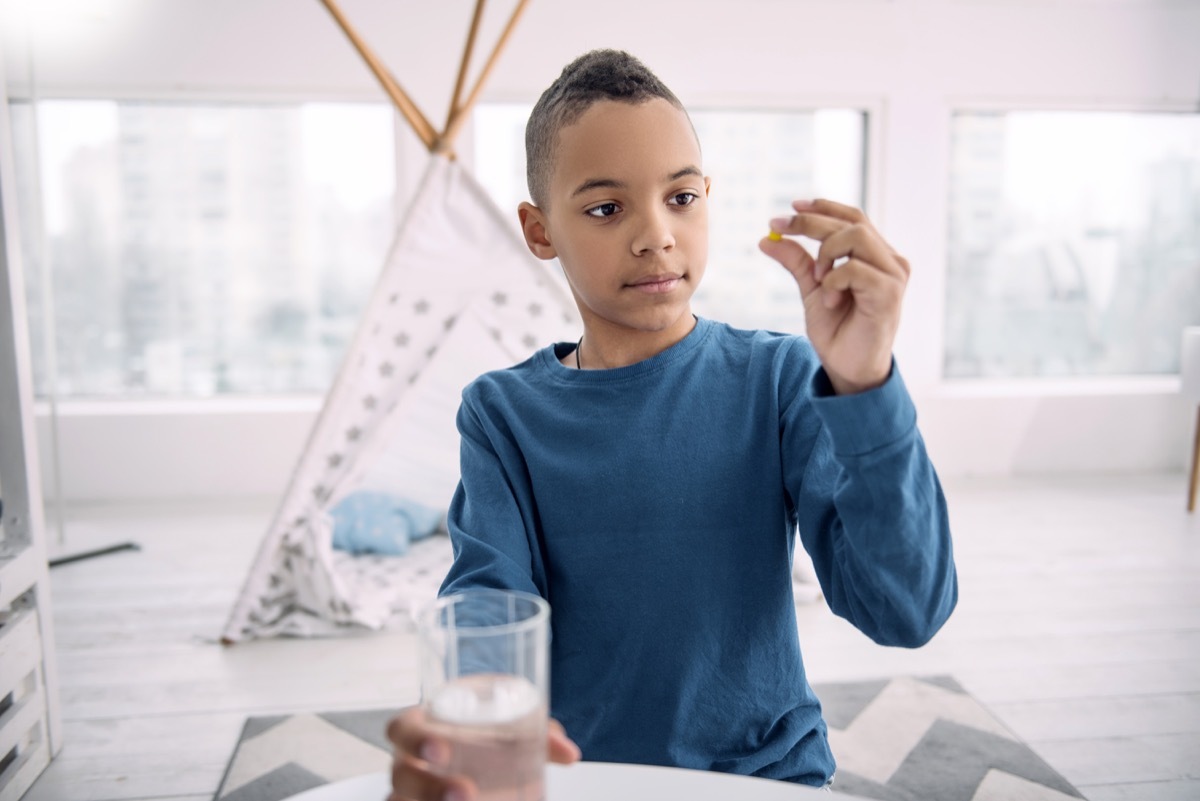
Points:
(1079, 625)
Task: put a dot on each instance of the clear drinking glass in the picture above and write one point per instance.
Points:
(484, 659)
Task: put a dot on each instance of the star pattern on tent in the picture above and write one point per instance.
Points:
(496, 334)
(529, 340)
(319, 492)
(499, 298)
(432, 349)
(392, 298)
(535, 309)
(353, 433)
(401, 339)
(412, 379)
(448, 323)
(386, 369)
(375, 329)
(369, 402)
(334, 459)
(421, 306)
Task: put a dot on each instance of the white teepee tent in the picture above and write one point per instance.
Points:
(459, 294)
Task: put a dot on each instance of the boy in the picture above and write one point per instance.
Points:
(647, 479)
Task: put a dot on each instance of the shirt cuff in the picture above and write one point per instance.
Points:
(866, 421)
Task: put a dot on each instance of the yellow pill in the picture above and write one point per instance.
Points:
(774, 236)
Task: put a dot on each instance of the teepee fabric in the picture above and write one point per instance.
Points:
(459, 294)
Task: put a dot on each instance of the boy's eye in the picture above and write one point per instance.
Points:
(684, 199)
(603, 210)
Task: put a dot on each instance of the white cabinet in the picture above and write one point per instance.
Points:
(30, 723)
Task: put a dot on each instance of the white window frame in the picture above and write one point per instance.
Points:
(1065, 386)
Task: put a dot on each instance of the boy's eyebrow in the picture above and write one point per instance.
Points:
(612, 183)
(690, 169)
(597, 183)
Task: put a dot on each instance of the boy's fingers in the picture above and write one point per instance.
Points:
(821, 219)
(795, 260)
(865, 280)
(412, 780)
(832, 209)
(560, 748)
(813, 225)
(861, 243)
(409, 732)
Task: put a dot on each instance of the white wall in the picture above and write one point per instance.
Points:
(912, 60)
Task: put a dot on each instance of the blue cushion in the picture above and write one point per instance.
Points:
(381, 523)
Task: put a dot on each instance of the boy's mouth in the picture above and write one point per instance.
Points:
(656, 284)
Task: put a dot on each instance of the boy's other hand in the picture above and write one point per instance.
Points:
(420, 756)
(852, 310)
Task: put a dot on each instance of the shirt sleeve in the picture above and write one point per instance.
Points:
(869, 507)
(490, 512)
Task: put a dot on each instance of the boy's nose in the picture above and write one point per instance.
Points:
(654, 235)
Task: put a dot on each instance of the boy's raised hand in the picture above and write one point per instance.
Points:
(852, 311)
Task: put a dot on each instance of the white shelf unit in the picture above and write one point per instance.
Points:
(30, 720)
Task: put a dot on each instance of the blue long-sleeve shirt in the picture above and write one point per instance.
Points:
(654, 507)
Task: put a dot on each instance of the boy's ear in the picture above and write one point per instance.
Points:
(707, 185)
(533, 226)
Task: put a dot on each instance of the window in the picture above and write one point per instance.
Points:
(201, 249)
(1074, 243)
(760, 161)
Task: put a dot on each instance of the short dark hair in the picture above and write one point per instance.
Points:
(593, 77)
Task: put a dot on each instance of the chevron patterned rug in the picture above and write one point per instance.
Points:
(902, 739)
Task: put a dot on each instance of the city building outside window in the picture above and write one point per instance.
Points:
(200, 250)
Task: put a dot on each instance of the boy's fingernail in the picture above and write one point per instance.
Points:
(455, 794)
(434, 752)
(780, 223)
(802, 204)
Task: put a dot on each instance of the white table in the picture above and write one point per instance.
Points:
(604, 781)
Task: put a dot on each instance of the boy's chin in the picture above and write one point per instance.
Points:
(656, 321)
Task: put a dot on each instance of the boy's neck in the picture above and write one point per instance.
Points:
(605, 347)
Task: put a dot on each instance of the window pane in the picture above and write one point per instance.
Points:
(1074, 243)
(759, 162)
(200, 249)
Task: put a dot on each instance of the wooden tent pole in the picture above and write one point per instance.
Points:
(402, 101)
(466, 61)
(461, 113)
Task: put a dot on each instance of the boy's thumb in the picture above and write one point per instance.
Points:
(795, 260)
(560, 748)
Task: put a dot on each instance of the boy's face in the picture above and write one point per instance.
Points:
(627, 216)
